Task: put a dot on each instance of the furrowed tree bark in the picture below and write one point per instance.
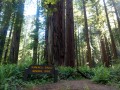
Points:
(14, 49)
(89, 59)
(70, 53)
(58, 34)
(111, 34)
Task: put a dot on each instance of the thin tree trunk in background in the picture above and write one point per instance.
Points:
(35, 47)
(104, 55)
(107, 64)
(38, 61)
(111, 34)
(89, 59)
(14, 49)
(76, 49)
(1, 5)
(63, 32)
(4, 27)
(117, 15)
(46, 40)
(79, 58)
(7, 47)
(50, 41)
(70, 54)
(92, 44)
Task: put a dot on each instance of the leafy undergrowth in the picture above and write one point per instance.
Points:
(11, 76)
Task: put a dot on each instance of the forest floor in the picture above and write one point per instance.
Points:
(74, 85)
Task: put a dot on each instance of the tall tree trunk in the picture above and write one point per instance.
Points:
(107, 64)
(79, 58)
(104, 54)
(55, 35)
(70, 54)
(89, 59)
(5, 26)
(35, 47)
(117, 15)
(8, 42)
(14, 49)
(111, 34)
(58, 34)
(76, 48)
(50, 41)
(1, 5)
(46, 39)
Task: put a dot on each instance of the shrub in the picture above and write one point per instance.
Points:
(66, 72)
(88, 72)
(102, 75)
(115, 73)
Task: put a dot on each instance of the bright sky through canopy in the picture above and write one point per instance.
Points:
(30, 7)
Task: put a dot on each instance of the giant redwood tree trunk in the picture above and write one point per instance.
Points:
(55, 35)
(58, 34)
(89, 59)
(14, 49)
(70, 53)
(111, 34)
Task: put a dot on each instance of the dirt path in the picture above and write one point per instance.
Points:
(74, 85)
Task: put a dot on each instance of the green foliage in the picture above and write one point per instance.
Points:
(50, 2)
(87, 71)
(115, 75)
(9, 74)
(66, 72)
(102, 74)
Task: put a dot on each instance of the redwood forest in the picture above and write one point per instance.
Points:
(59, 44)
